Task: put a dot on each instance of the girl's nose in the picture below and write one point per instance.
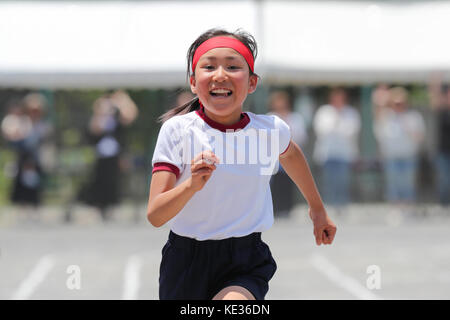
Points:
(220, 74)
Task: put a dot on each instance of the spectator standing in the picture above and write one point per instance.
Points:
(400, 133)
(281, 185)
(27, 131)
(337, 126)
(440, 104)
(111, 114)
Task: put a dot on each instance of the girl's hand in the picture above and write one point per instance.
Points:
(324, 228)
(202, 167)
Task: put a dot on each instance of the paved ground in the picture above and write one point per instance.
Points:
(379, 253)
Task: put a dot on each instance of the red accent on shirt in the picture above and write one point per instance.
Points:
(286, 149)
(245, 119)
(164, 166)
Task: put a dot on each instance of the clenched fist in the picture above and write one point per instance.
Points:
(202, 167)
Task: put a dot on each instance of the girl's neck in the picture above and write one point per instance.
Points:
(229, 120)
(224, 123)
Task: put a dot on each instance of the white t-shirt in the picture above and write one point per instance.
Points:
(236, 200)
(337, 133)
(400, 134)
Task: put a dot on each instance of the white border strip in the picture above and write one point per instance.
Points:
(336, 276)
(34, 279)
(131, 278)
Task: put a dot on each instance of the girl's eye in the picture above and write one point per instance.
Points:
(211, 67)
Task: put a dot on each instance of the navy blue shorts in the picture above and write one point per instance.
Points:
(192, 269)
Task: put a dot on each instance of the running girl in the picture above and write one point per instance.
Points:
(218, 200)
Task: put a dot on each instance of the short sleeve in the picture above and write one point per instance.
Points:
(168, 153)
(284, 134)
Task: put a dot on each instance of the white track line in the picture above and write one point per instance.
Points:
(131, 278)
(335, 275)
(37, 275)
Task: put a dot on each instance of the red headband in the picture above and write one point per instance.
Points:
(223, 42)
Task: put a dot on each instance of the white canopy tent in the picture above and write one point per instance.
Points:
(356, 41)
(144, 44)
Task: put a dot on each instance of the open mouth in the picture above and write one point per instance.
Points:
(221, 92)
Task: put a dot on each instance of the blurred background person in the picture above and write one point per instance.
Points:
(281, 185)
(16, 125)
(380, 98)
(27, 131)
(400, 133)
(337, 126)
(440, 105)
(111, 114)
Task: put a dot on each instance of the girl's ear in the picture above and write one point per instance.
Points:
(253, 82)
(193, 84)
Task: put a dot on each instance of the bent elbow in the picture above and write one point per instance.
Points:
(154, 222)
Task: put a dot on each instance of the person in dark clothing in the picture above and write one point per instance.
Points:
(440, 104)
(112, 113)
(281, 185)
(26, 131)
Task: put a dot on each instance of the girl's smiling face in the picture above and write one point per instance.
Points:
(222, 82)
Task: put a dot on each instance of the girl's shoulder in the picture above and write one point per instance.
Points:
(269, 121)
(180, 121)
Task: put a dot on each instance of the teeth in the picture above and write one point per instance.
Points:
(220, 91)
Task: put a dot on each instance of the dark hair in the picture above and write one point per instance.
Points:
(247, 39)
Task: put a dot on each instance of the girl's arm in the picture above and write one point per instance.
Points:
(294, 163)
(165, 200)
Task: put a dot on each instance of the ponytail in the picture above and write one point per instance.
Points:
(190, 106)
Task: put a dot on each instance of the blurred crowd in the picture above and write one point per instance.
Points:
(333, 129)
(400, 134)
(27, 132)
(30, 134)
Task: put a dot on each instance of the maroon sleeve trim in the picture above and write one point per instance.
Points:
(164, 166)
(286, 148)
